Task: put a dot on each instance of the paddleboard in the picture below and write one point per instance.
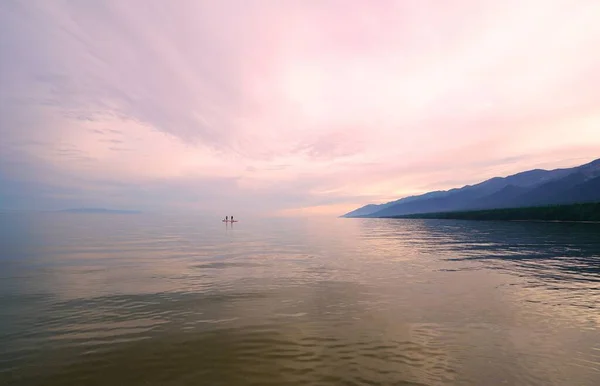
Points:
(229, 220)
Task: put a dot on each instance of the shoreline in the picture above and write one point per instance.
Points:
(576, 213)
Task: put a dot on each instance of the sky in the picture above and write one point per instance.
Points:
(294, 107)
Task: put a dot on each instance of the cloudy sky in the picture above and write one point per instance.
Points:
(287, 107)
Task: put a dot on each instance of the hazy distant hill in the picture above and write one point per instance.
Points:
(372, 208)
(530, 188)
(99, 210)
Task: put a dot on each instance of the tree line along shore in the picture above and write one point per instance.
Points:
(572, 212)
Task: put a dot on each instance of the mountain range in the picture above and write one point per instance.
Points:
(536, 187)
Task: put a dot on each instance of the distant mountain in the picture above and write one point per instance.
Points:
(368, 209)
(372, 208)
(529, 188)
(99, 210)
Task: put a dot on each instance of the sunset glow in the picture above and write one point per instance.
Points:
(290, 107)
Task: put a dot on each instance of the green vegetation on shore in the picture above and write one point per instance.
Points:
(573, 212)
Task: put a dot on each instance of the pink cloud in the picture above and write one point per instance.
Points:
(372, 99)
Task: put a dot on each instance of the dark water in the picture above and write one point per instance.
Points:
(150, 300)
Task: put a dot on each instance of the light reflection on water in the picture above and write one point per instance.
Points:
(165, 300)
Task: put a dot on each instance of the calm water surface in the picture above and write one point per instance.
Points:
(166, 300)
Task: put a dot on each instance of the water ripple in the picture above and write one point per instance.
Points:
(176, 301)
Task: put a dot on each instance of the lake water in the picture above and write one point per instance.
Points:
(167, 300)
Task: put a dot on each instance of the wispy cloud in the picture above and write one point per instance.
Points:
(280, 106)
